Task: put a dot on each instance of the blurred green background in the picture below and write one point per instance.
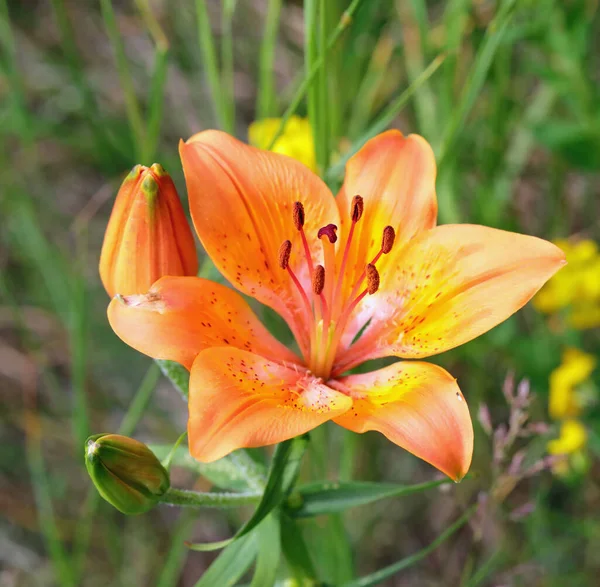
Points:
(508, 94)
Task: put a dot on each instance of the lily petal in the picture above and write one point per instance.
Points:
(395, 175)
(240, 400)
(181, 316)
(241, 201)
(419, 407)
(448, 286)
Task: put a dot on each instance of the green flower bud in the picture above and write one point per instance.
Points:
(126, 472)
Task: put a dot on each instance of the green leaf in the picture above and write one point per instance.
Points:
(576, 143)
(178, 374)
(231, 564)
(237, 471)
(385, 573)
(269, 552)
(296, 553)
(316, 499)
(282, 476)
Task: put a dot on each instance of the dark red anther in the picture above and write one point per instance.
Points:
(387, 242)
(298, 215)
(285, 250)
(357, 208)
(372, 279)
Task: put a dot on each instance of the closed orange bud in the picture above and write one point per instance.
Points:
(148, 235)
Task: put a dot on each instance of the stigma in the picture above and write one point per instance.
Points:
(330, 302)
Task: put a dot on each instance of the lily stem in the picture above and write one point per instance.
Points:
(187, 498)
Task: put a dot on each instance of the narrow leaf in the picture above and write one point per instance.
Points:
(235, 471)
(282, 476)
(231, 564)
(269, 552)
(387, 572)
(316, 499)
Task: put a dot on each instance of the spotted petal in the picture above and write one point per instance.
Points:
(181, 316)
(419, 407)
(395, 176)
(241, 201)
(239, 400)
(448, 286)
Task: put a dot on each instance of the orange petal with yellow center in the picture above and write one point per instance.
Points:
(240, 400)
(241, 201)
(419, 407)
(181, 316)
(395, 176)
(448, 286)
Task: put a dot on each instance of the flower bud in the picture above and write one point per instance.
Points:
(125, 472)
(148, 235)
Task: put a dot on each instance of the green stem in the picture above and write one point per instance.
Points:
(132, 106)
(209, 61)
(267, 99)
(342, 25)
(323, 93)
(228, 87)
(386, 572)
(140, 401)
(187, 498)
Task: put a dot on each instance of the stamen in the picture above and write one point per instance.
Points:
(357, 208)
(299, 224)
(298, 215)
(285, 250)
(329, 231)
(387, 242)
(372, 279)
(318, 280)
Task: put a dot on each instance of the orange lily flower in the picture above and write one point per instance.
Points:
(363, 276)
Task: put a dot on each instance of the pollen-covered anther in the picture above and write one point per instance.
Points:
(318, 281)
(285, 250)
(387, 241)
(298, 215)
(357, 208)
(372, 279)
(329, 231)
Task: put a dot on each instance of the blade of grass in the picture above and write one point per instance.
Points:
(42, 494)
(104, 147)
(363, 104)
(175, 559)
(424, 103)
(132, 106)
(483, 60)
(409, 561)
(78, 343)
(17, 93)
(227, 72)
(267, 98)
(344, 22)
(209, 62)
(385, 118)
(323, 89)
(159, 74)
(311, 54)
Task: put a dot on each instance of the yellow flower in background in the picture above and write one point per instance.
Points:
(296, 141)
(569, 391)
(574, 370)
(572, 438)
(576, 287)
